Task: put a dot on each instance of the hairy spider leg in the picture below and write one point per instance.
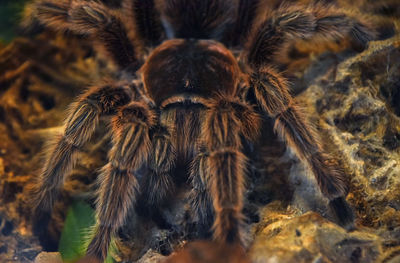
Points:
(163, 155)
(62, 152)
(245, 16)
(118, 183)
(227, 120)
(272, 94)
(198, 19)
(145, 20)
(104, 26)
(317, 22)
(200, 197)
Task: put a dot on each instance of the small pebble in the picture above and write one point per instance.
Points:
(46, 257)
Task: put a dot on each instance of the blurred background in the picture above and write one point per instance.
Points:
(10, 14)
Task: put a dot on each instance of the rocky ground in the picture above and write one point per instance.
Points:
(356, 103)
(353, 97)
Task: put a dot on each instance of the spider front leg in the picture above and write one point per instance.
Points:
(227, 120)
(158, 183)
(118, 182)
(161, 163)
(79, 127)
(272, 94)
(199, 197)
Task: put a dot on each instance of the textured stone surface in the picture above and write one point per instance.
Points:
(311, 238)
(355, 105)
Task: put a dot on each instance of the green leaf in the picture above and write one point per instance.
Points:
(10, 15)
(76, 233)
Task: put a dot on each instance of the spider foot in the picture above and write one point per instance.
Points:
(343, 213)
(40, 222)
(162, 242)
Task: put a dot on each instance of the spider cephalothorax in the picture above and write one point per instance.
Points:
(185, 97)
(190, 67)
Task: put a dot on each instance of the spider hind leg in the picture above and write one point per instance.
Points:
(343, 213)
(273, 96)
(318, 22)
(144, 19)
(105, 26)
(200, 19)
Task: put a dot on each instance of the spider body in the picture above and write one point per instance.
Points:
(187, 99)
(190, 67)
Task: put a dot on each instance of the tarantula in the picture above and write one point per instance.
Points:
(197, 77)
